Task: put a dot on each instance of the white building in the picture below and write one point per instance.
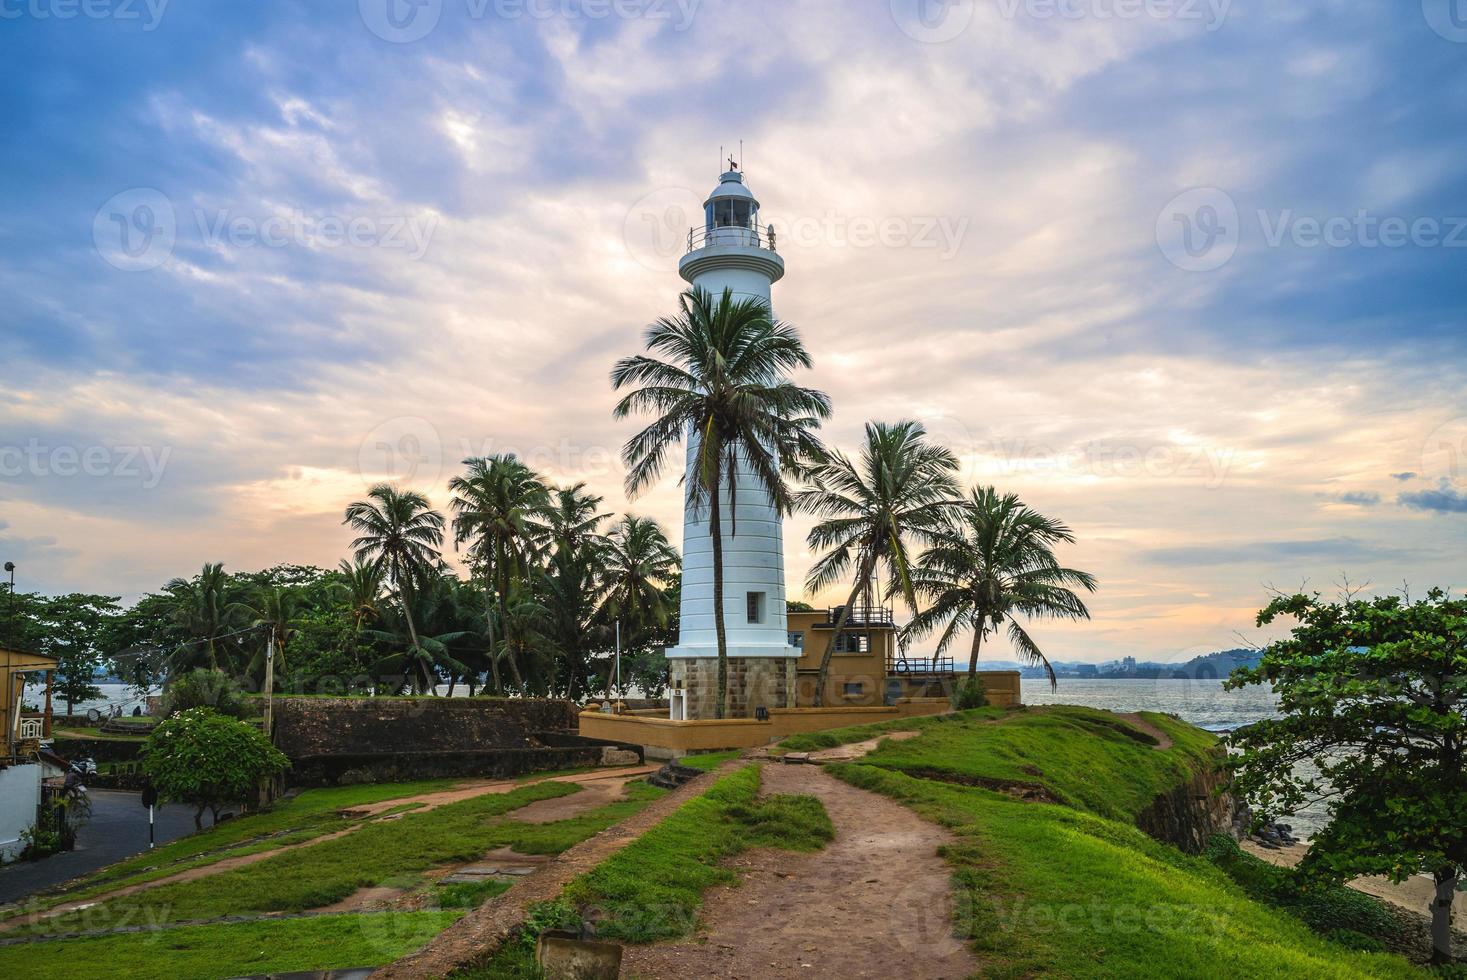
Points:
(733, 251)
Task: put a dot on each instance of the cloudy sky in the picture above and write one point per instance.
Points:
(1188, 275)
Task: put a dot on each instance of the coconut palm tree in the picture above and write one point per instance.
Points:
(360, 588)
(401, 534)
(420, 655)
(717, 374)
(995, 562)
(274, 610)
(498, 506)
(640, 563)
(206, 611)
(870, 510)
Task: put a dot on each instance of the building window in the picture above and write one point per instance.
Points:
(853, 643)
(797, 639)
(755, 601)
(854, 688)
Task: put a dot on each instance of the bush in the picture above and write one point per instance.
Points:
(970, 694)
(207, 760)
(204, 688)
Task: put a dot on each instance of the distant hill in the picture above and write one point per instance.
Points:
(1212, 666)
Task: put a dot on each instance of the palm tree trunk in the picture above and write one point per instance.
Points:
(973, 658)
(863, 576)
(1441, 916)
(715, 528)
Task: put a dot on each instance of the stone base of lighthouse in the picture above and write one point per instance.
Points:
(753, 682)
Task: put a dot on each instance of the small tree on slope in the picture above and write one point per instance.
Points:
(1372, 692)
(207, 760)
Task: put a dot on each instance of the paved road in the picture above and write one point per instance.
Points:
(118, 829)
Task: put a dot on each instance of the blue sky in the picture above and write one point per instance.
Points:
(1188, 276)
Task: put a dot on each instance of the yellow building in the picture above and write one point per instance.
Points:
(868, 668)
(15, 666)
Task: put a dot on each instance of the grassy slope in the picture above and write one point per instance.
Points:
(220, 951)
(311, 814)
(392, 853)
(1075, 890)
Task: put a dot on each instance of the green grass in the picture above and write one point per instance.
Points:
(308, 815)
(832, 737)
(469, 894)
(379, 853)
(211, 952)
(652, 888)
(708, 761)
(1081, 756)
(1075, 890)
(1333, 910)
(1048, 889)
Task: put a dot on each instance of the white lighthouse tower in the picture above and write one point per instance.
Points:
(733, 251)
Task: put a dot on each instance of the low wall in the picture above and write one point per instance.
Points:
(664, 738)
(20, 796)
(97, 749)
(339, 741)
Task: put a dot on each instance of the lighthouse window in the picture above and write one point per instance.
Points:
(730, 213)
(756, 607)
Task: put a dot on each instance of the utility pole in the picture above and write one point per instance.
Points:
(270, 685)
(618, 656)
(10, 608)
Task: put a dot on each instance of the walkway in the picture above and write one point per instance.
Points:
(876, 902)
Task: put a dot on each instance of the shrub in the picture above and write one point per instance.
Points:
(970, 694)
(204, 688)
(207, 760)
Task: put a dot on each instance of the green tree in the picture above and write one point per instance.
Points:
(76, 629)
(204, 688)
(640, 563)
(498, 506)
(717, 374)
(207, 760)
(419, 654)
(1372, 693)
(206, 611)
(992, 562)
(572, 580)
(898, 492)
(400, 533)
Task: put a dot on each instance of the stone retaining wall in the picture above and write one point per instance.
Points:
(753, 682)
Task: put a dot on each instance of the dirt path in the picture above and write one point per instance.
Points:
(1134, 719)
(855, 750)
(593, 781)
(482, 931)
(876, 902)
(486, 787)
(594, 793)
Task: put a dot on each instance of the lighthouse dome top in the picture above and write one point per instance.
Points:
(731, 185)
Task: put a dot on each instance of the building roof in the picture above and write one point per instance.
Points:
(12, 660)
(731, 184)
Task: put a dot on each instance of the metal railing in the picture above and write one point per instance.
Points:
(862, 615)
(751, 236)
(916, 666)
